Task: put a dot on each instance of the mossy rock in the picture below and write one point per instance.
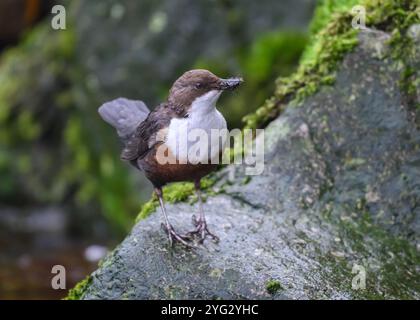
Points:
(340, 194)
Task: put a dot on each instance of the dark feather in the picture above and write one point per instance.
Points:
(146, 135)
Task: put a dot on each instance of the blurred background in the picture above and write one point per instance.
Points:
(65, 197)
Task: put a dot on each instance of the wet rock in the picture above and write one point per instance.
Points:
(340, 199)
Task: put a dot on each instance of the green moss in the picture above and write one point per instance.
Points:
(173, 193)
(147, 208)
(334, 38)
(77, 292)
(246, 180)
(390, 262)
(398, 260)
(334, 42)
(403, 52)
(323, 14)
(273, 286)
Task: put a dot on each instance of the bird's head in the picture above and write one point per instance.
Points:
(200, 89)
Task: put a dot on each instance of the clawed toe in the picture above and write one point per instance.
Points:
(174, 237)
(194, 220)
(201, 231)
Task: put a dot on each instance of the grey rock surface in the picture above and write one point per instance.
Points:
(339, 195)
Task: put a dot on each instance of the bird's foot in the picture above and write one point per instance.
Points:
(201, 230)
(174, 237)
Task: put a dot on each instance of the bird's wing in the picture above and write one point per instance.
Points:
(150, 132)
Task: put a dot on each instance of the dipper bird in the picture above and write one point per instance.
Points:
(191, 105)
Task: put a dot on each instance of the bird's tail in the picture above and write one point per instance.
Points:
(124, 115)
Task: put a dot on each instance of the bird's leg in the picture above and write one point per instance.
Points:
(200, 224)
(167, 227)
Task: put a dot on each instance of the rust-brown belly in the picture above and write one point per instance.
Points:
(160, 174)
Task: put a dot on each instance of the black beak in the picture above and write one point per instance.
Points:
(230, 84)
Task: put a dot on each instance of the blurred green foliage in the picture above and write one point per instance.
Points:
(54, 149)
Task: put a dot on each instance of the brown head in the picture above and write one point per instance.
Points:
(198, 83)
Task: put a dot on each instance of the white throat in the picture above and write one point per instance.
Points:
(203, 118)
(205, 103)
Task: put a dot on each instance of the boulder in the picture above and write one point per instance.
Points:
(335, 214)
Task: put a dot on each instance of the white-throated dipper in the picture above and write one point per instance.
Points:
(191, 105)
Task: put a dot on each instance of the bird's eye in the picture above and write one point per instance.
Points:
(198, 85)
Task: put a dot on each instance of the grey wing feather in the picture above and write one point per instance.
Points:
(124, 115)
